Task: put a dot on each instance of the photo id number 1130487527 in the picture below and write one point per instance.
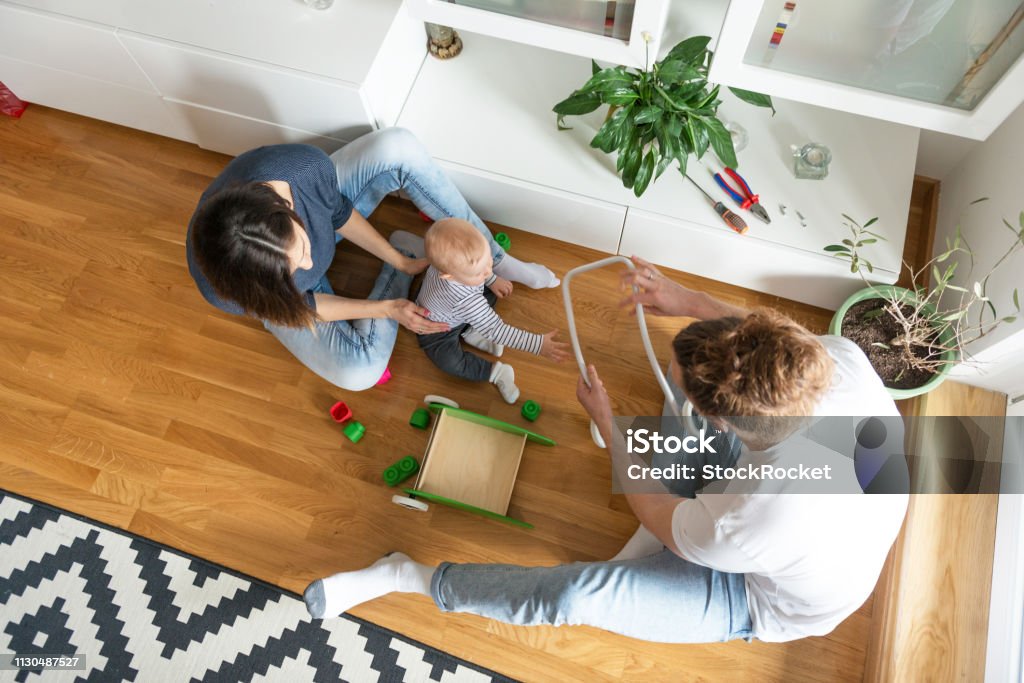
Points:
(42, 662)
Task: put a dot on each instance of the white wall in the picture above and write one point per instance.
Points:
(991, 169)
(938, 154)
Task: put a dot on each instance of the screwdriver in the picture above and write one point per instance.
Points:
(731, 219)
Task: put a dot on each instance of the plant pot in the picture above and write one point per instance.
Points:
(878, 292)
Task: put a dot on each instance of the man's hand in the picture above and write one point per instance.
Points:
(413, 266)
(554, 350)
(595, 401)
(661, 296)
(413, 317)
(501, 287)
(657, 294)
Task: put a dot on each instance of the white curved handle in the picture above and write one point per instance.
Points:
(644, 336)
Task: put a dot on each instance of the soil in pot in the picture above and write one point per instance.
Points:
(888, 363)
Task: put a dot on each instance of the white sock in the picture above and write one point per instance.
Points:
(641, 544)
(533, 275)
(504, 377)
(394, 573)
(479, 341)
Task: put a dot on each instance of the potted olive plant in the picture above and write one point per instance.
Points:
(913, 337)
(658, 115)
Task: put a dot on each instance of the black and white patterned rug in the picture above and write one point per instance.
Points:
(140, 611)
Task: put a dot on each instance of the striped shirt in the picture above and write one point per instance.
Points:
(456, 304)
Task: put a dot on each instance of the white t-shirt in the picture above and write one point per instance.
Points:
(810, 559)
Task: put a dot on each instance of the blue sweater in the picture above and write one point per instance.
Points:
(318, 202)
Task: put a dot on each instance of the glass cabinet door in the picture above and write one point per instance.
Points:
(950, 65)
(621, 31)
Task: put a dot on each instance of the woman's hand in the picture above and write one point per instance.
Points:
(554, 350)
(501, 287)
(595, 401)
(413, 317)
(413, 266)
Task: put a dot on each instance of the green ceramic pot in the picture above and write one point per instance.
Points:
(877, 292)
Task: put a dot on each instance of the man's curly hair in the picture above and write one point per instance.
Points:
(763, 365)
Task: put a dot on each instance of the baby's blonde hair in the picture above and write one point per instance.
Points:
(453, 244)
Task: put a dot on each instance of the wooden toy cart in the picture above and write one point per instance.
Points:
(470, 463)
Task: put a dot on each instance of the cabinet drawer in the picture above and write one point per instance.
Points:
(720, 254)
(259, 91)
(542, 210)
(89, 97)
(68, 45)
(230, 134)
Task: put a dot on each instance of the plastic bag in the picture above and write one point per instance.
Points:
(9, 102)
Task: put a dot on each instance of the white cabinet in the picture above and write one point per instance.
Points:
(549, 211)
(620, 32)
(69, 45)
(504, 151)
(232, 134)
(749, 261)
(228, 75)
(953, 67)
(90, 97)
(80, 67)
(284, 97)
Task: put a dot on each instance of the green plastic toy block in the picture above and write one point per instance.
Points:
(531, 410)
(401, 470)
(420, 418)
(504, 241)
(354, 431)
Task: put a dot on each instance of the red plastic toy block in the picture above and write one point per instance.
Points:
(385, 378)
(341, 412)
(10, 105)
(426, 218)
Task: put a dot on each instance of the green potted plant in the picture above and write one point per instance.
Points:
(914, 337)
(658, 115)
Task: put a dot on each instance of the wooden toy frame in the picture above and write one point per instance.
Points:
(471, 463)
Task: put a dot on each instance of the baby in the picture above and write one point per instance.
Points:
(455, 291)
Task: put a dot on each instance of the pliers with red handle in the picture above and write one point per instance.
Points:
(745, 197)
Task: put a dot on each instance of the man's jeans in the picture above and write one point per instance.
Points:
(353, 354)
(661, 598)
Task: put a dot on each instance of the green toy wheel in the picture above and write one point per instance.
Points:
(392, 476)
(531, 410)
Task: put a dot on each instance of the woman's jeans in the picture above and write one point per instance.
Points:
(353, 354)
(661, 598)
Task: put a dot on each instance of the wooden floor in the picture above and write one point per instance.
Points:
(126, 398)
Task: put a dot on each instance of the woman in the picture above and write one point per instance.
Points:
(717, 566)
(264, 234)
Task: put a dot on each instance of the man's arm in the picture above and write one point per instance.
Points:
(654, 510)
(661, 296)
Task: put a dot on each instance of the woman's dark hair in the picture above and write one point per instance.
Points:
(240, 238)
